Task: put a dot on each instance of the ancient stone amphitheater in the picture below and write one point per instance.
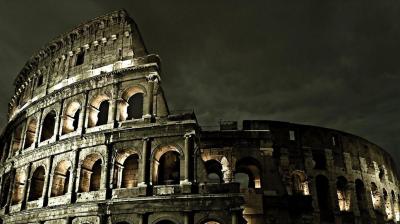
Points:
(90, 139)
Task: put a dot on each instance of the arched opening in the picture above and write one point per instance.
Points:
(248, 167)
(169, 168)
(122, 222)
(71, 117)
(324, 199)
(19, 185)
(37, 184)
(211, 222)
(131, 106)
(102, 116)
(299, 183)
(376, 196)
(48, 126)
(98, 111)
(135, 106)
(130, 172)
(61, 178)
(90, 173)
(30, 133)
(17, 139)
(343, 194)
(214, 171)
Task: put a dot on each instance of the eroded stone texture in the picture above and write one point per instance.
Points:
(90, 139)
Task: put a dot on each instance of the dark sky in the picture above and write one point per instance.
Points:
(326, 63)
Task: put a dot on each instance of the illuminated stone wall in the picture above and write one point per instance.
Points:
(90, 139)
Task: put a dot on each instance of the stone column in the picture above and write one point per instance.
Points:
(38, 129)
(83, 120)
(71, 182)
(112, 110)
(103, 178)
(353, 198)
(46, 185)
(120, 168)
(51, 180)
(78, 178)
(151, 78)
(145, 163)
(24, 195)
(187, 154)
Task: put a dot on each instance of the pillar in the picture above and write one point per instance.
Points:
(187, 154)
(24, 195)
(120, 168)
(145, 163)
(151, 78)
(103, 178)
(83, 120)
(51, 180)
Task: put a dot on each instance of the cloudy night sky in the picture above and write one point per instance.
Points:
(328, 63)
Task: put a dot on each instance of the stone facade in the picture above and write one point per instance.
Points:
(90, 139)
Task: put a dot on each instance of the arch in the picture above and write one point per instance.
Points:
(37, 184)
(214, 171)
(135, 106)
(324, 198)
(48, 126)
(250, 167)
(376, 196)
(299, 183)
(166, 165)
(30, 133)
(343, 194)
(61, 178)
(169, 168)
(130, 171)
(131, 106)
(91, 169)
(98, 110)
(71, 117)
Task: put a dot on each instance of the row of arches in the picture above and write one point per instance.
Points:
(390, 206)
(247, 172)
(130, 107)
(92, 173)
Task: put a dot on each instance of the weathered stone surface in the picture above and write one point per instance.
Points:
(90, 139)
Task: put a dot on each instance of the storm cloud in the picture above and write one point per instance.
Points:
(327, 63)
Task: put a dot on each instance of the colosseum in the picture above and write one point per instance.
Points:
(90, 139)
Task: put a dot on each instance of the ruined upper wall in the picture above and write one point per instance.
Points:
(104, 44)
